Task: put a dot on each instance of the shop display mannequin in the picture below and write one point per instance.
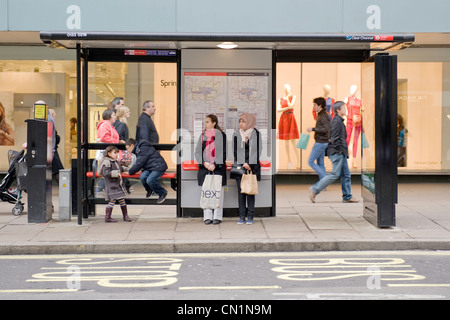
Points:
(329, 101)
(353, 120)
(287, 126)
(401, 139)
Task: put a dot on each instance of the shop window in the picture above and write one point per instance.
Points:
(333, 81)
(23, 82)
(420, 121)
(423, 111)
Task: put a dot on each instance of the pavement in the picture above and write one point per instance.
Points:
(423, 223)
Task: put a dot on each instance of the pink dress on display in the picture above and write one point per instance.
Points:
(287, 126)
(353, 121)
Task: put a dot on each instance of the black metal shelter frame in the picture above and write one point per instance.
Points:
(106, 46)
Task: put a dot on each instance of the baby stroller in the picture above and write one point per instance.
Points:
(13, 194)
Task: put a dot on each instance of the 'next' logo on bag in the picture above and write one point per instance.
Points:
(211, 194)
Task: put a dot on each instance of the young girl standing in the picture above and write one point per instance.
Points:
(109, 168)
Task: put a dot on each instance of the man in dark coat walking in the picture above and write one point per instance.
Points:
(338, 154)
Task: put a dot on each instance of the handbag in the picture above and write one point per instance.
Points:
(365, 143)
(211, 192)
(237, 169)
(249, 183)
(303, 141)
(356, 120)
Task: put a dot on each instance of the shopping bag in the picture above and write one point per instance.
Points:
(365, 143)
(303, 141)
(249, 183)
(211, 192)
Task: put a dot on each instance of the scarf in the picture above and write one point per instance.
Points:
(245, 135)
(210, 147)
(250, 124)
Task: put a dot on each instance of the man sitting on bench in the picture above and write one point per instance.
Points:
(153, 167)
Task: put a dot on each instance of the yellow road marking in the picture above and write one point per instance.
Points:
(37, 290)
(419, 285)
(231, 288)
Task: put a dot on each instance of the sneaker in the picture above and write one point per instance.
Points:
(351, 200)
(161, 199)
(208, 221)
(149, 194)
(249, 222)
(312, 195)
(216, 221)
(241, 222)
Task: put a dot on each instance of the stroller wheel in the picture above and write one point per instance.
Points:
(17, 209)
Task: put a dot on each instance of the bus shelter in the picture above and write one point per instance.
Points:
(229, 82)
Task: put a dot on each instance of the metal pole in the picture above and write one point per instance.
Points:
(179, 139)
(79, 189)
(84, 142)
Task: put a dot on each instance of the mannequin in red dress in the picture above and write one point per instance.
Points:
(287, 126)
(353, 120)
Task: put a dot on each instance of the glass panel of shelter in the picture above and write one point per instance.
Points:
(135, 83)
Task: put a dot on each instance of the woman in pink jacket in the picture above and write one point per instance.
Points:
(106, 133)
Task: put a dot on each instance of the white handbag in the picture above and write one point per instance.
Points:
(211, 192)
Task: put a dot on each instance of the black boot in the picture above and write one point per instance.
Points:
(108, 218)
(125, 213)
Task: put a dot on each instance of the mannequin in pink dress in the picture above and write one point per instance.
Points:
(354, 120)
(287, 126)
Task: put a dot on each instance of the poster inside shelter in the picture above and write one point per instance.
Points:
(226, 95)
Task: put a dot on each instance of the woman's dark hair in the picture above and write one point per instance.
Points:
(213, 118)
(107, 114)
(109, 149)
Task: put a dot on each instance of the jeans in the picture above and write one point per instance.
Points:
(340, 169)
(215, 214)
(150, 180)
(318, 153)
(244, 200)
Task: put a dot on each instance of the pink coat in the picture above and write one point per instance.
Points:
(106, 133)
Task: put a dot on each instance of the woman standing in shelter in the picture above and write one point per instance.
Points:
(247, 150)
(211, 153)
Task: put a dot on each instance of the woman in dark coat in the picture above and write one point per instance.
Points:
(211, 153)
(121, 124)
(247, 150)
